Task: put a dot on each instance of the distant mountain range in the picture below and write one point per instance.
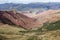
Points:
(9, 6)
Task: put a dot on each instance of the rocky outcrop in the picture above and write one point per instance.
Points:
(12, 18)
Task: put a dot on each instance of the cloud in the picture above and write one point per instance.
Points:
(27, 1)
(2, 1)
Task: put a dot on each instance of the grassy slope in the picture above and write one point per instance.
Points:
(49, 31)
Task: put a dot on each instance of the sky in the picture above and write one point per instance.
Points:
(26, 1)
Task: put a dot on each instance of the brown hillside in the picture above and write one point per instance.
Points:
(9, 17)
(48, 16)
(12, 18)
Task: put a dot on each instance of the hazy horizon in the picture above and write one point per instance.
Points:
(27, 1)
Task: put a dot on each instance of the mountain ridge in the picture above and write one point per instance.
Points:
(19, 7)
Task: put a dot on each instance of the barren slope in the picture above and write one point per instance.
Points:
(9, 17)
(48, 16)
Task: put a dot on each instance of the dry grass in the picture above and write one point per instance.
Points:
(12, 33)
(7, 29)
(9, 32)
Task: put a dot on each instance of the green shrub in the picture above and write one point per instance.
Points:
(51, 26)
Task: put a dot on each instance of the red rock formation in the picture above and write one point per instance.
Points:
(9, 17)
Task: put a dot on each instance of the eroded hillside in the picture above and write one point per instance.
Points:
(13, 18)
